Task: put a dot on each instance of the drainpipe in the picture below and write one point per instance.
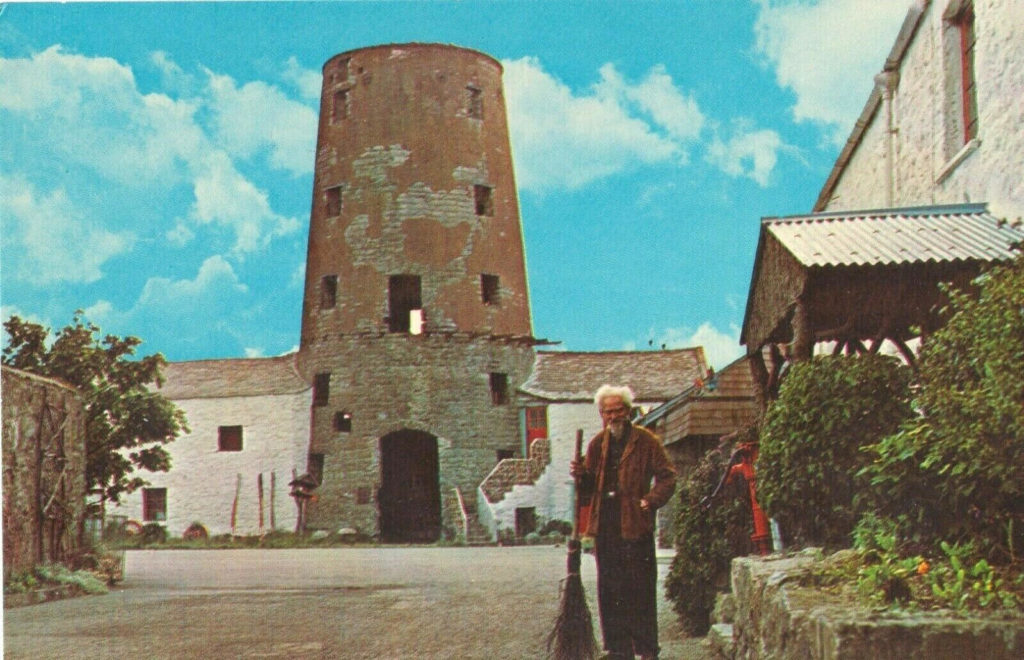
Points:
(887, 81)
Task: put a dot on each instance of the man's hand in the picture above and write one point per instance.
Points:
(645, 505)
(576, 469)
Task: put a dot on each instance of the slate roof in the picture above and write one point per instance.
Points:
(204, 379)
(937, 234)
(653, 375)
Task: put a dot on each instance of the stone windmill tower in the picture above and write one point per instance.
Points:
(416, 322)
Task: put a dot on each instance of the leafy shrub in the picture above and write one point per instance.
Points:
(828, 409)
(707, 539)
(953, 473)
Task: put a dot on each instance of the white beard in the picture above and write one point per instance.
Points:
(618, 429)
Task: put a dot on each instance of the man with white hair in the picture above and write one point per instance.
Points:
(616, 476)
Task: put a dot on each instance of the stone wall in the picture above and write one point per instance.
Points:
(775, 617)
(43, 470)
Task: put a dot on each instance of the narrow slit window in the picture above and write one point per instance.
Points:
(483, 200)
(499, 388)
(968, 89)
(321, 389)
(315, 466)
(328, 291)
(229, 438)
(343, 422)
(490, 289)
(332, 200)
(474, 102)
(339, 106)
(405, 306)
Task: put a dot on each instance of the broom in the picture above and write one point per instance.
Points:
(573, 635)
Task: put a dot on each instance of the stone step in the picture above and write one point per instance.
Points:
(721, 642)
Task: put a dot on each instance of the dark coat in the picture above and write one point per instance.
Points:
(643, 459)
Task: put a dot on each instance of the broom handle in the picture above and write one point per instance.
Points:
(578, 455)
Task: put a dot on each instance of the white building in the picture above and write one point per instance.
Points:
(248, 436)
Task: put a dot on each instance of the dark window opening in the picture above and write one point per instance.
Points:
(964, 22)
(404, 303)
(341, 71)
(483, 200)
(506, 453)
(321, 389)
(526, 521)
(474, 102)
(363, 495)
(328, 291)
(332, 199)
(339, 107)
(490, 289)
(229, 438)
(315, 466)
(343, 422)
(499, 388)
(154, 504)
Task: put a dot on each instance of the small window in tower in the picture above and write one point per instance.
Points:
(343, 422)
(363, 495)
(489, 289)
(474, 102)
(321, 389)
(315, 466)
(229, 438)
(499, 388)
(332, 199)
(328, 291)
(483, 199)
(154, 504)
(341, 71)
(404, 303)
(339, 108)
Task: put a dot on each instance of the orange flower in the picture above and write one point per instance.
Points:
(923, 567)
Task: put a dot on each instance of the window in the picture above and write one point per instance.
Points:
(321, 389)
(968, 90)
(483, 200)
(328, 291)
(315, 466)
(404, 303)
(499, 388)
(340, 72)
(363, 495)
(536, 422)
(229, 438)
(332, 200)
(474, 102)
(506, 453)
(961, 107)
(343, 422)
(339, 107)
(489, 289)
(154, 504)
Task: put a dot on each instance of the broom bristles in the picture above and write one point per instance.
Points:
(572, 638)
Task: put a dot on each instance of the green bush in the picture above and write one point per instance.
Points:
(953, 473)
(828, 409)
(707, 538)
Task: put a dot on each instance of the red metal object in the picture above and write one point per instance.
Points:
(741, 464)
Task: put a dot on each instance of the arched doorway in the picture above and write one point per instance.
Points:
(410, 496)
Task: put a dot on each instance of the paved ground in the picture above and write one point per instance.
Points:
(394, 602)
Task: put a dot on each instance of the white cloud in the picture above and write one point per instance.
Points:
(259, 116)
(54, 241)
(567, 140)
(827, 53)
(659, 98)
(751, 154)
(720, 348)
(307, 81)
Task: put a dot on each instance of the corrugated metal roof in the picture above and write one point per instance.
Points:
(939, 234)
(652, 375)
(232, 377)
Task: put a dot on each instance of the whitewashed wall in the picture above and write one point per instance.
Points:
(929, 167)
(202, 481)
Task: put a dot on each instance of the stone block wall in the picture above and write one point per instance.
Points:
(43, 470)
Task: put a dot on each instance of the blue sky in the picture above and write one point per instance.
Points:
(156, 158)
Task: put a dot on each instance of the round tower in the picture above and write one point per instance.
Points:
(415, 324)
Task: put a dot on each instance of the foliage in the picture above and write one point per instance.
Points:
(127, 424)
(828, 409)
(953, 473)
(707, 539)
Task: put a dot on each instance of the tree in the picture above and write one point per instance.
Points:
(127, 423)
